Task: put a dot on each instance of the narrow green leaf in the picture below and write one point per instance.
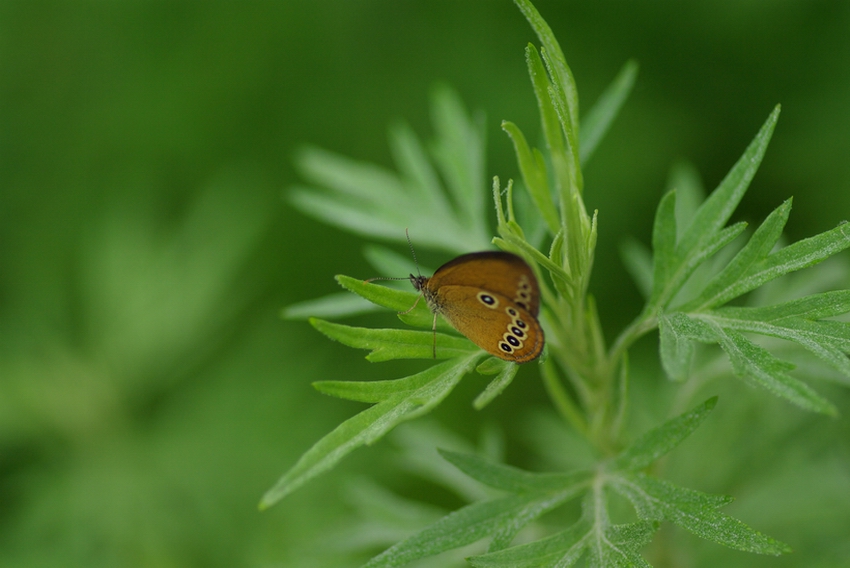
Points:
(372, 391)
(664, 257)
(716, 210)
(676, 350)
(390, 344)
(829, 340)
(716, 291)
(598, 120)
(533, 171)
(560, 71)
(756, 364)
(562, 549)
(515, 480)
(690, 193)
(705, 251)
(337, 305)
(371, 424)
(686, 509)
(659, 441)
(796, 256)
(397, 300)
(552, 132)
(814, 307)
(497, 385)
(465, 526)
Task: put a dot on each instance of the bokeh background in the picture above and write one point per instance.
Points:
(150, 391)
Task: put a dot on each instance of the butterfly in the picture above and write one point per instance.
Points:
(490, 297)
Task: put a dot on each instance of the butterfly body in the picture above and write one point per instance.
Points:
(490, 297)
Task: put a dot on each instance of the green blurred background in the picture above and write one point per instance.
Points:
(149, 391)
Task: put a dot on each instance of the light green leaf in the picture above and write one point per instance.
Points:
(562, 549)
(813, 307)
(717, 289)
(390, 344)
(756, 364)
(796, 256)
(337, 305)
(676, 350)
(561, 74)
(533, 170)
(659, 441)
(696, 512)
(504, 376)
(470, 524)
(417, 396)
(664, 257)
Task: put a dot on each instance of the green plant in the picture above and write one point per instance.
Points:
(696, 268)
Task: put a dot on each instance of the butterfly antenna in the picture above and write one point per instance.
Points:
(412, 252)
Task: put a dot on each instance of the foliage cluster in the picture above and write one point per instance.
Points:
(698, 281)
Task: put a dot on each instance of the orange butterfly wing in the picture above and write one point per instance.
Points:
(492, 298)
(492, 321)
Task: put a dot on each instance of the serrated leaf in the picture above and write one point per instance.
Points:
(717, 290)
(503, 378)
(716, 210)
(696, 512)
(659, 441)
(562, 550)
(796, 256)
(755, 363)
(465, 526)
(828, 340)
(390, 344)
(433, 385)
(598, 119)
(813, 307)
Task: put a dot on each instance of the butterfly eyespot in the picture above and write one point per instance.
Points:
(506, 348)
(512, 340)
(521, 304)
(520, 324)
(488, 300)
(517, 331)
(512, 312)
